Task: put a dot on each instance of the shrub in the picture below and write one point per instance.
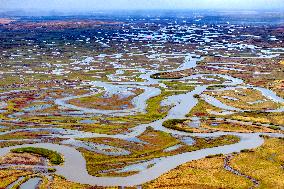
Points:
(216, 155)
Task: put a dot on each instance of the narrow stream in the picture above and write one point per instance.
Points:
(31, 183)
(74, 168)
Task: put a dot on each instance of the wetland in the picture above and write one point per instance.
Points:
(142, 101)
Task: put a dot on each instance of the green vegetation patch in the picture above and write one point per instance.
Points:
(54, 157)
(175, 85)
(174, 124)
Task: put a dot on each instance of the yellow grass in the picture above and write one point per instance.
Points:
(245, 96)
(9, 176)
(266, 165)
(204, 173)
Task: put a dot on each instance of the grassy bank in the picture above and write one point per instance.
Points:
(54, 157)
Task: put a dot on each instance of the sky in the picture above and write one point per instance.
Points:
(92, 5)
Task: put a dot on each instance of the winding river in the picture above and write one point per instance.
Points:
(74, 167)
